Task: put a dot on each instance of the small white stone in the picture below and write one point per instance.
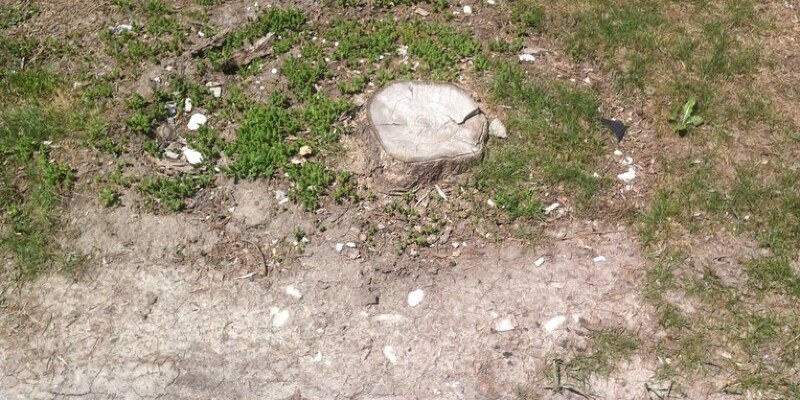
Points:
(627, 161)
(467, 10)
(294, 292)
(187, 105)
(628, 176)
(504, 325)
(351, 245)
(196, 121)
(497, 129)
(539, 262)
(527, 58)
(491, 203)
(216, 91)
(599, 259)
(491, 2)
(305, 151)
(274, 71)
(339, 247)
(390, 354)
(318, 356)
(554, 323)
(552, 207)
(193, 157)
(201, 34)
(281, 318)
(415, 297)
(617, 153)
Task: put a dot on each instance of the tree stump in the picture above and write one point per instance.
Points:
(424, 131)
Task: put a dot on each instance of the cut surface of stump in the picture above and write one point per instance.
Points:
(425, 130)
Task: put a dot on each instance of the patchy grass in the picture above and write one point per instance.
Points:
(172, 192)
(555, 143)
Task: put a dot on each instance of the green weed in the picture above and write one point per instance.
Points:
(109, 197)
(172, 192)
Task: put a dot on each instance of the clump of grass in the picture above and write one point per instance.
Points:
(440, 48)
(172, 192)
(321, 113)
(260, 148)
(608, 348)
(303, 74)
(283, 22)
(109, 197)
(555, 144)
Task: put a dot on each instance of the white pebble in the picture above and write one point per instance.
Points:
(195, 121)
(294, 292)
(491, 203)
(281, 318)
(539, 262)
(527, 57)
(617, 153)
(274, 71)
(351, 245)
(552, 207)
(467, 10)
(216, 91)
(201, 34)
(554, 323)
(390, 354)
(193, 157)
(339, 247)
(628, 176)
(415, 297)
(599, 259)
(187, 105)
(504, 325)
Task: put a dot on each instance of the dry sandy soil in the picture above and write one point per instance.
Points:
(141, 324)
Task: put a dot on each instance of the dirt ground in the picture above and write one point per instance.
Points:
(142, 324)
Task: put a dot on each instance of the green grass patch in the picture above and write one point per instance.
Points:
(172, 192)
(283, 22)
(554, 142)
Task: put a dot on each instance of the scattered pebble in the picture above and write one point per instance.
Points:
(193, 157)
(195, 121)
(628, 176)
(617, 153)
(422, 12)
(440, 192)
(274, 71)
(539, 262)
(280, 195)
(627, 161)
(599, 259)
(294, 292)
(497, 129)
(201, 34)
(415, 297)
(390, 354)
(318, 356)
(504, 325)
(351, 245)
(491, 203)
(248, 277)
(121, 27)
(187, 105)
(305, 151)
(216, 91)
(467, 10)
(554, 323)
(552, 207)
(339, 247)
(527, 58)
(281, 318)
(491, 2)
